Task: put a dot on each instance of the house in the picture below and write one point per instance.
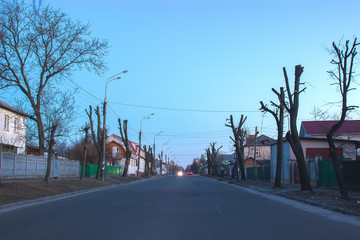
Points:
(262, 150)
(12, 129)
(116, 154)
(349, 130)
(315, 148)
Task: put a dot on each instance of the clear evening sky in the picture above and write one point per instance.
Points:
(208, 56)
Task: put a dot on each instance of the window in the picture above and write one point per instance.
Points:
(16, 125)
(6, 122)
(257, 152)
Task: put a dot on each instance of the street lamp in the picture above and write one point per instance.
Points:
(153, 165)
(110, 79)
(144, 118)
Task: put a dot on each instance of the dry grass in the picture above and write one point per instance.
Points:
(16, 191)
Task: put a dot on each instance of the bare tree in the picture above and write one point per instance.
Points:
(96, 137)
(125, 139)
(293, 136)
(214, 153)
(148, 159)
(239, 134)
(208, 160)
(39, 46)
(344, 61)
(278, 114)
(58, 115)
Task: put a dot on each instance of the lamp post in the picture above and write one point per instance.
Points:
(162, 153)
(153, 165)
(144, 118)
(110, 79)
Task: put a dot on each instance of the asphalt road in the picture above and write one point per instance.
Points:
(188, 207)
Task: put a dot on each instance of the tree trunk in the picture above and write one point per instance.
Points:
(279, 158)
(50, 151)
(335, 162)
(41, 133)
(299, 154)
(241, 163)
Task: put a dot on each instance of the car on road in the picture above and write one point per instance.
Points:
(190, 173)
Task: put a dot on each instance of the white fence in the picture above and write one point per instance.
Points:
(15, 166)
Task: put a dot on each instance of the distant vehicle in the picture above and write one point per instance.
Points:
(180, 173)
(189, 173)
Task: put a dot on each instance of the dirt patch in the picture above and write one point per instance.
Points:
(15, 191)
(326, 199)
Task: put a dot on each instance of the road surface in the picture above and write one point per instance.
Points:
(188, 207)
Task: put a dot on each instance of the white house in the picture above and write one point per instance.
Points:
(12, 129)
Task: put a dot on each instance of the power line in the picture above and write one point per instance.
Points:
(180, 109)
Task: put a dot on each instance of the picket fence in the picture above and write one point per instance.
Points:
(18, 166)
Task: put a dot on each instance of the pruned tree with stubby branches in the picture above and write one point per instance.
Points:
(148, 159)
(97, 136)
(239, 134)
(39, 46)
(292, 136)
(344, 57)
(278, 114)
(125, 140)
(208, 160)
(213, 153)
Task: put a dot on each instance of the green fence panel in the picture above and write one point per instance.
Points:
(113, 170)
(91, 170)
(327, 175)
(258, 173)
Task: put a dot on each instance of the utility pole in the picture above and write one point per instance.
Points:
(86, 129)
(256, 133)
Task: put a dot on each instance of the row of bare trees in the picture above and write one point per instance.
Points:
(343, 74)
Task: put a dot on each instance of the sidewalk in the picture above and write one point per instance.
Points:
(328, 198)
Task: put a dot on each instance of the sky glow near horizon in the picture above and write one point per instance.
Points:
(211, 56)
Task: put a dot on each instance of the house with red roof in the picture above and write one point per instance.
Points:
(315, 147)
(116, 152)
(350, 129)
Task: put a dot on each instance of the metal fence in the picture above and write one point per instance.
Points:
(15, 166)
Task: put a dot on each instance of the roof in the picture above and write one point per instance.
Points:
(132, 144)
(262, 140)
(316, 139)
(7, 106)
(322, 127)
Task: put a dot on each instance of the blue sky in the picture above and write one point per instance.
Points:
(208, 55)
